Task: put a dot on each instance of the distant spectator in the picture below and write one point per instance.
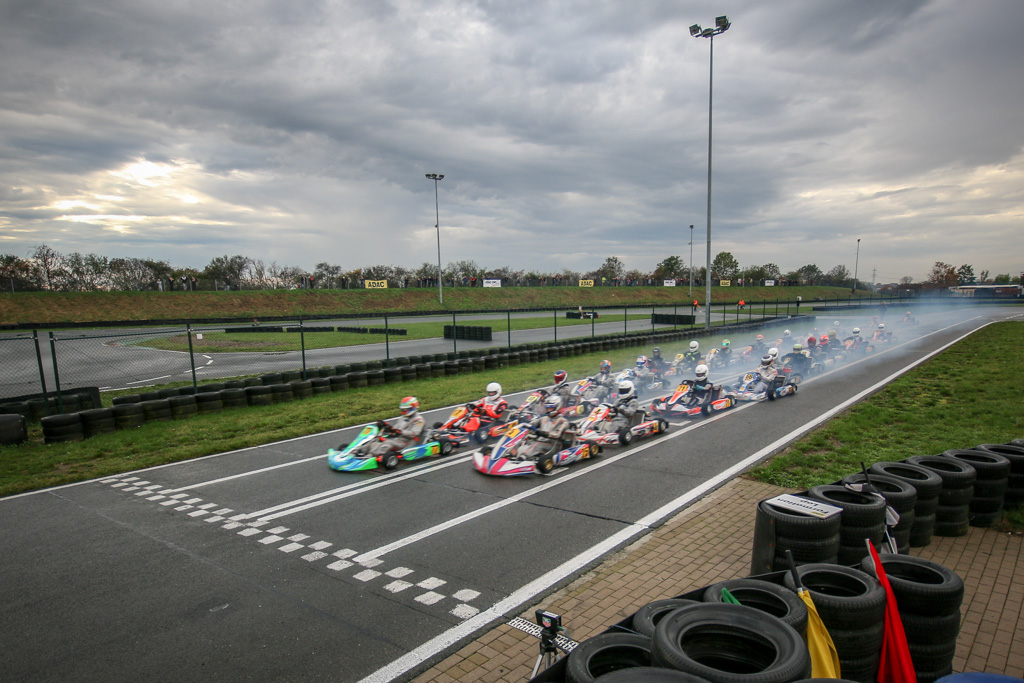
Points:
(194, 282)
(227, 283)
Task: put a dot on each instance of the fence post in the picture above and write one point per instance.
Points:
(625, 321)
(42, 377)
(56, 376)
(387, 342)
(508, 325)
(455, 336)
(555, 314)
(191, 355)
(302, 344)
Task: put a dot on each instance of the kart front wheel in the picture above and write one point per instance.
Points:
(545, 465)
(481, 435)
(662, 425)
(390, 461)
(625, 436)
(446, 447)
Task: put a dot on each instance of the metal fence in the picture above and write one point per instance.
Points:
(43, 370)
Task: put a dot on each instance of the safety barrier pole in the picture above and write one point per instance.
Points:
(455, 336)
(56, 376)
(191, 355)
(42, 376)
(508, 323)
(302, 343)
(387, 342)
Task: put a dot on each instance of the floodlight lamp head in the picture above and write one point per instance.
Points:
(435, 176)
(695, 30)
(722, 23)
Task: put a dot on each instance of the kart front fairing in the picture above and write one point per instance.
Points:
(354, 458)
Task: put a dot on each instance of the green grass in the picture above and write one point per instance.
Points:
(971, 393)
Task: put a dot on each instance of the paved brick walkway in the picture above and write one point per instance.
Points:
(711, 541)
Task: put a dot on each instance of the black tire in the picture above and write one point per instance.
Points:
(97, 421)
(13, 429)
(858, 644)
(926, 482)
(446, 446)
(481, 435)
(389, 460)
(645, 620)
(730, 644)
(771, 598)
(988, 466)
(649, 674)
(951, 514)
(209, 402)
(989, 488)
(859, 509)
(814, 550)
(987, 505)
(798, 526)
(951, 529)
(258, 396)
(922, 531)
(955, 497)
(846, 598)
(1015, 454)
(930, 629)
(899, 494)
(926, 506)
(662, 426)
(921, 586)
(128, 415)
(625, 436)
(66, 420)
(954, 473)
(545, 464)
(855, 535)
(984, 519)
(606, 653)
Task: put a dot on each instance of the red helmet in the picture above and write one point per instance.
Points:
(560, 376)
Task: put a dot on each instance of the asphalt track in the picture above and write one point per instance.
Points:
(264, 564)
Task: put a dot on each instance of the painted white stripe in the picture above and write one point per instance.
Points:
(572, 566)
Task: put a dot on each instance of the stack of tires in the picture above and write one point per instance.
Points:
(990, 484)
(13, 429)
(717, 643)
(900, 496)
(863, 517)
(952, 512)
(852, 607)
(928, 597)
(810, 539)
(62, 428)
(1014, 452)
(928, 485)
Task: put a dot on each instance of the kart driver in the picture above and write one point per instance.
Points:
(492, 405)
(656, 362)
(625, 409)
(404, 431)
(549, 430)
(758, 347)
(702, 388)
(604, 377)
(692, 355)
(799, 360)
(766, 374)
(855, 338)
(725, 353)
(561, 388)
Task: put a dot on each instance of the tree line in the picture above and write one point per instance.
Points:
(45, 269)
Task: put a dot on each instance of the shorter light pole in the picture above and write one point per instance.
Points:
(691, 261)
(437, 225)
(856, 262)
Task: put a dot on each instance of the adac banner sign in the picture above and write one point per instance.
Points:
(376, 284)
(586, 283)
(725, 283)
(670, 283)
(492, 283)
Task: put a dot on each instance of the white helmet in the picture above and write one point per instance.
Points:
(798, 347)
(856, 330)
(835, 323)
(694, 346)
(701, 371)
(493, 393)
(766, 360)
(773, 352)
(625, 389)
(881, 326)
(553, 404)
(787, 334)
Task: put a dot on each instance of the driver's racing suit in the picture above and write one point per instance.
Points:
(766, 375)
(547, 437)
(406, 431)
(624, 412)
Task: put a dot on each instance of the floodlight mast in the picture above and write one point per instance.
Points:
(437, 225)
(722, 25)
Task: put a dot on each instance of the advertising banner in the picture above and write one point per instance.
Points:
(492, 283)
(586, 283)
(376, 284)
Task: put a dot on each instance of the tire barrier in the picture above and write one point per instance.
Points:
(183, 406)
(62, 428)
(929, 598)
(606, 653)
(258, 396)
(209, 401)
(771, 598)
(1015, 479)
(374, 378)
(928, 485)
(234, 397)
(338, 383)
(392, 375)
(290, 376)
(901, 497)
(990, 484)
(863, 517)
(471, 332)
(128, 415)
(157, 410)
(234, 384)
(811, 540)
(271, 378)
(646, 619)
(852, 607)
(169, 392)
(357, 379)
(301, 388)
(97, 421)
(282, 393)
(13, 429)
(952, 513)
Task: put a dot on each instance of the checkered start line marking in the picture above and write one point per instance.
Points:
(399, 579)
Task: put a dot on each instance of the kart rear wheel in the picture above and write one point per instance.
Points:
(662, 425)
(446, 447)
(389, 460)
(481, 435)
(545, 464)
(625, 436)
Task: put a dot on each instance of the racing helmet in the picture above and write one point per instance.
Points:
(787, 334)
(606, 367)
(798, 348)
(774, 353)
(409, 406)
(835, 323)
(881, 326)
(657, 352)
(641, 361)
(625, 389)
(824, 339)
(760, 337)
(831, 334)
(694, 346)
(812, 341)
(701, 371)
(560, 376)
(725, 343)
(493, 393)
(856, 330)
(766, 360)
(552, 404)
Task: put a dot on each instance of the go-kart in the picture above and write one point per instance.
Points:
(581, 397)
(685, 403)
(745, 390)
(532, 407)
(356, 457)
(464, 425)
(592, 429)
(521, 450)
(717, 360)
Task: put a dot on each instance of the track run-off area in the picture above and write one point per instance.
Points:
(265, 564)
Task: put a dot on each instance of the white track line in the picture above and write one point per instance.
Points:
(454, 635)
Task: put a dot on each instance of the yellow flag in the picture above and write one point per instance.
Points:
(824, 658)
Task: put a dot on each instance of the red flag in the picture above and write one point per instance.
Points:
(895, 665)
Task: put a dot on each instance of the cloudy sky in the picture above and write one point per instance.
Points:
(299, 131)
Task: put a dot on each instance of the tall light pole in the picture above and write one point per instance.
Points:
(856, 262)
(437, 225)
(722, 25)
(691, 261)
